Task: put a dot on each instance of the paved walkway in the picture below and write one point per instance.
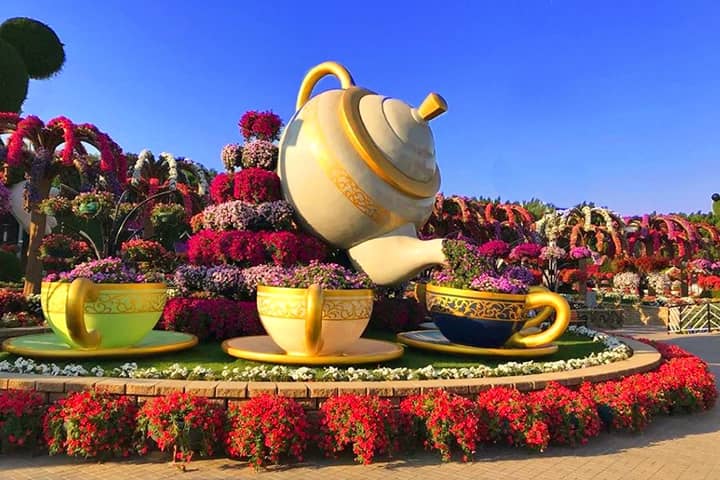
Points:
(671, 448)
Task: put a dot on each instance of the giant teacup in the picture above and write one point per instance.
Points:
(90, 315)
(313, 321)
(491, 320)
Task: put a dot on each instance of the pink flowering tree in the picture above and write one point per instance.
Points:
(42, 151)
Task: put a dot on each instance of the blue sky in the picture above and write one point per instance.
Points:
(614, 102)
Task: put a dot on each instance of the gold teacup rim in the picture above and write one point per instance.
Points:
(475, 294)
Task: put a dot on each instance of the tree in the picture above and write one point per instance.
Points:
(28, 49)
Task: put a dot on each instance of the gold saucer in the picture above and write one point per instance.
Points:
(49, 345)
(436, 341)
(263, 349)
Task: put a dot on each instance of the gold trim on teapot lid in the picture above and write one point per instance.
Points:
(373, 156)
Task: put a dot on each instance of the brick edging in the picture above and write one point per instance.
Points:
(309, 394)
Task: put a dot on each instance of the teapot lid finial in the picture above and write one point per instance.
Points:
(433, 106)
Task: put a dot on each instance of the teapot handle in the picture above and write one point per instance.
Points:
(318, 72)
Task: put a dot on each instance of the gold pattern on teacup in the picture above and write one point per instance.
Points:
(481, 309)
(108, 302)
(333, 309)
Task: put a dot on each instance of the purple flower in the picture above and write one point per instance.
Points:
(226, 281)
(578, 253)
(260, 154)
(231, 156)
(4, 199)
(327, 275)
(189, 278)
(106, 270)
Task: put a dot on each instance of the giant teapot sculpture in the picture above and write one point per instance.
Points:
(360, 171)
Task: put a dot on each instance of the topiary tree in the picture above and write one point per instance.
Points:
(28, 49)
(716, 204)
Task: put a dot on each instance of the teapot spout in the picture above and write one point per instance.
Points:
(396, 256)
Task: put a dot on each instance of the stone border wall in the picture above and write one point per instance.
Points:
(310, 394)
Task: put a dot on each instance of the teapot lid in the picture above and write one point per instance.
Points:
(394, 139)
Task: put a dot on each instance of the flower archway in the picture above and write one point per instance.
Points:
(597, 228)
(42, 151)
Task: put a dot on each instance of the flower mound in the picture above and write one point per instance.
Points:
(107, 270)
(183, 422)
(91, 424)
(21, 414)
(365, 422)
(221, 188)
(255, 185)
(265, 428)
(260, 154)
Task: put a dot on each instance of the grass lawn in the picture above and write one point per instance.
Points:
(210, 355)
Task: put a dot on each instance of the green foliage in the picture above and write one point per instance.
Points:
(537, 207)
(37, 44)
(28, 49)
(13, 78)
(11, 270)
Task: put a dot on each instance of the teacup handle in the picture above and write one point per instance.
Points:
(315, 74)
(313, 320)
(81, 290)
(537, 299)
(543, 314)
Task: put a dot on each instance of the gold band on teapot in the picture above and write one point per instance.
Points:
(371, 154)
(345, 183)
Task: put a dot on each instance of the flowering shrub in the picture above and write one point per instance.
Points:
(444, 421)
(627, 281)
(211, 318)
(260, 125)
(60, 252)
(709, 282)
(231, 156)
(12, 301)
(572, 418)
(260, 154)
(267, 427)
(21, 414)
(365, 422)
(511, 419)
(481, 268)
(255, 185)
(551, 252)
(186, 423)
(88, 205)
(221, 188)
(149, 252)
(91, 424)
(55, 206)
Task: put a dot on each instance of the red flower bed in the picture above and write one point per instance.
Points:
(203, 249)
(21, 414)
(444, 420)
(91, 424)
(256, 185)
(267, 427)
(365, 422)
(183, 422)
(12, 301)
(211, 318)
(260, 125)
